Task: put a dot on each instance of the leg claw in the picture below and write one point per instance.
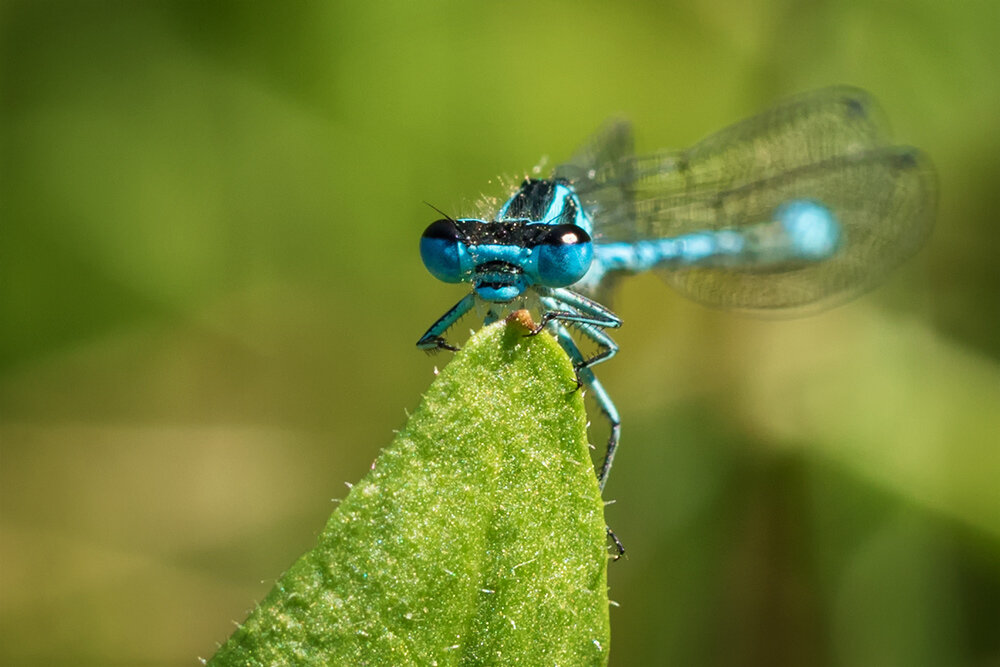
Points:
(437, 343)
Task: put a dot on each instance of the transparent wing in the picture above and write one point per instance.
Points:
(807, 129)
(829, 145)
(883, 200)
(611, 143)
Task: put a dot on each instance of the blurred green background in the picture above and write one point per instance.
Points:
(210, 292)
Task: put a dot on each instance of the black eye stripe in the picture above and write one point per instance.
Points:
(477, 232)
(517, 233)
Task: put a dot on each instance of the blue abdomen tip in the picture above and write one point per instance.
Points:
(813, 231)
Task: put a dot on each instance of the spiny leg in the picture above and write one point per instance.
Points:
(619, 547)
(562, 300)
(608, 347)
(607, 408)
(433, 339)
(582, 304)
(568, 306)
(611, 413)
(590, 324)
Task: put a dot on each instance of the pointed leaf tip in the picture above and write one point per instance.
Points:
(477, 538)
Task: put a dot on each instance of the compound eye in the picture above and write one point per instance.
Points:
(440, 249)
(564, 255)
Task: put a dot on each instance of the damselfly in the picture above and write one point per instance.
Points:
(796, 209)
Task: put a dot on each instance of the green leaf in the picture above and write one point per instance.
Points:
(478, 537)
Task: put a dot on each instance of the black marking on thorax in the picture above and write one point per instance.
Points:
(532, 200)
(536, 198)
